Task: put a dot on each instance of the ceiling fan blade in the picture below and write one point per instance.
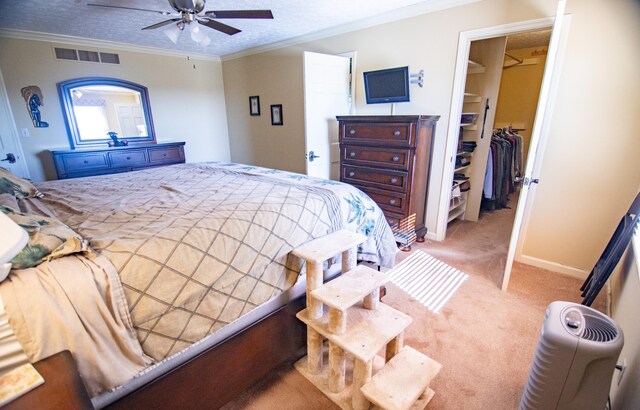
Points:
(216, 25)
(164, 13)
(239, 14)
(161, 24)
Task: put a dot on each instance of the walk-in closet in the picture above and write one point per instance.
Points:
(503, 81)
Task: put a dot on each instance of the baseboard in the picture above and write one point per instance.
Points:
(431, 235)
(553, 266)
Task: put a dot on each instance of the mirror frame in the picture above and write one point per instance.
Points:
(64, 89)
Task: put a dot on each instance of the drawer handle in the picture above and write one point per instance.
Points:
(392, 201)
(86, 162)
(352, 174)
(395, 158)
(394, 180)
(352, 154)
(396, 133)
(352, 132)
(128, 158)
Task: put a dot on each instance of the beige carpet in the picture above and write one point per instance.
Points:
(427, 279)
(484, 338)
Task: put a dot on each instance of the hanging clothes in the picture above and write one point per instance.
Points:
(504, 165)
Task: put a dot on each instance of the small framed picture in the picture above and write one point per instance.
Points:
(254, 105)
(276, 114)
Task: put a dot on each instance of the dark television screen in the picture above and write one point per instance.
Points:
(387, 86)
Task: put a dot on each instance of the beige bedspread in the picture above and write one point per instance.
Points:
(179, 252)
(196, 245)
(75, 303)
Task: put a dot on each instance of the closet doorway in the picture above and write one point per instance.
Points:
(486, 85)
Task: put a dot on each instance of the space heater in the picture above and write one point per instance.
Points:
(574, 360)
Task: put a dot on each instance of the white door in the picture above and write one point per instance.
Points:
(326, 94)
(538, 135)
(131, 120)
(11, 155)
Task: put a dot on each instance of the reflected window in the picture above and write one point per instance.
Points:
(92, 121)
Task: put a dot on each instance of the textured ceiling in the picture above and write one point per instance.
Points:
(292, 18)
(529, 39)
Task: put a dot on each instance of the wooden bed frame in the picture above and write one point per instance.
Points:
(221, 373)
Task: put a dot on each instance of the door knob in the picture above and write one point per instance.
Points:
(312, 156)
(10, 157)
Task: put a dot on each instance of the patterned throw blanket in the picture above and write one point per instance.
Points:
(199, 245)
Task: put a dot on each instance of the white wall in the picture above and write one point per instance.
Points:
(625, 292)
(186, 96)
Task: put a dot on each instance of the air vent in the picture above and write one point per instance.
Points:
(89, 56)
(66, 54)
(110, 58)
(598, 330)
(86, 55)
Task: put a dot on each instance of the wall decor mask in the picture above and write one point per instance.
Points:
(33, 97)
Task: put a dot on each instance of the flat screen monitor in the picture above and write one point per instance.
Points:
(387, 86)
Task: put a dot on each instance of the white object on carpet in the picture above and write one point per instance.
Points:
(427, 279)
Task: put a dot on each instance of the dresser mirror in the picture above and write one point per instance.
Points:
(97, 107)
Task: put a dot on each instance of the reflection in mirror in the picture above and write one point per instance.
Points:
(100, 109)
(98, 106)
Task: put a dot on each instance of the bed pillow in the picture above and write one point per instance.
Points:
(48, 239)
(16, 186)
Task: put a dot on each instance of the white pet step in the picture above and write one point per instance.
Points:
(402, 381)
(321, 380)
(367, 331)
(350, 288)
(328, 246)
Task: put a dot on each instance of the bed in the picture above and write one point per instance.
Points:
(187, 292)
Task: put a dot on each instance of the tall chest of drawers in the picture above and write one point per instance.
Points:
(388, 157)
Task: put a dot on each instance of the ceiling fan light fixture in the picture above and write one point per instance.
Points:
(192, 11)
(174, 31)
(197, 34)
(205, 42)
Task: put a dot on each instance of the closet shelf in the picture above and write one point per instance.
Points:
(462, 168)
(475, 68)
(457, 204)
(472, 98)
(456, 213)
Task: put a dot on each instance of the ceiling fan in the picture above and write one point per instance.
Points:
(190, 11)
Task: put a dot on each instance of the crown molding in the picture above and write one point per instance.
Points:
(391, 16)
(111, 45)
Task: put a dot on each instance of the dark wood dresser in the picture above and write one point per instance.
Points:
(110, 160)
(388, 157)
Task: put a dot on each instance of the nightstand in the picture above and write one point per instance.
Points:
(62, 388)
